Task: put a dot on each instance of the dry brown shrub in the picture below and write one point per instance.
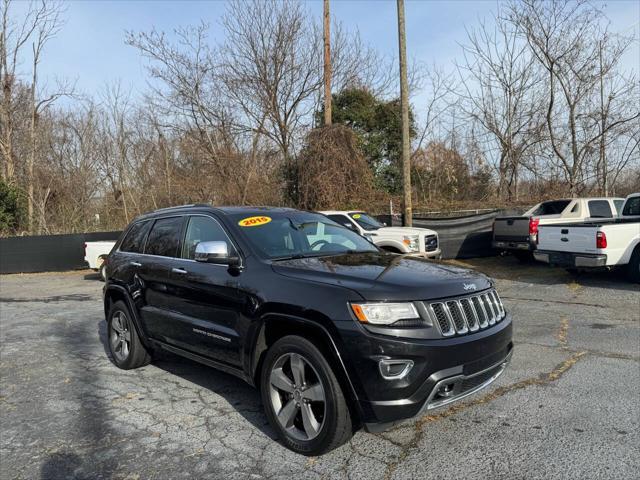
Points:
(333, 173)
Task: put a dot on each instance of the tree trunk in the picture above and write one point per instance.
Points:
(404, 101)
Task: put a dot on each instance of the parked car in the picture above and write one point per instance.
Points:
(602, 244)
(335, 333)
(95, 254)
(415, 241)
(518, 234)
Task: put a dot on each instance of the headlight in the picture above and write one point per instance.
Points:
(384, 313)
(411, 241)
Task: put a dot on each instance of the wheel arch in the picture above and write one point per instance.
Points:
(278, 325)
(114, 293)
(391, 246)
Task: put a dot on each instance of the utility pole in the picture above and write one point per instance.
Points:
(327, 64)
(404, 101)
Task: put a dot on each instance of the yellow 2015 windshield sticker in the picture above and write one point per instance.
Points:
(254, 221)
(356, 215)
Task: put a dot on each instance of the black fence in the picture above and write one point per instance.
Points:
(460, 237)
(465, 236)
(47, 253)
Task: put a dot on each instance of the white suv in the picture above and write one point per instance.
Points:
(415, 241)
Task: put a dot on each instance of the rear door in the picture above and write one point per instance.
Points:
(205, 298)
(160, 252)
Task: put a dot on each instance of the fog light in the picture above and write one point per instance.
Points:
(394, 369)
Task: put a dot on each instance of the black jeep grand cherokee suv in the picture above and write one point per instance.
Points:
(336, 333)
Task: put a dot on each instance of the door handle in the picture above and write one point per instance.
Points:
(181, 271)
(135, 264)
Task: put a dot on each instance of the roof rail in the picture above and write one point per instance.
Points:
(182, 206)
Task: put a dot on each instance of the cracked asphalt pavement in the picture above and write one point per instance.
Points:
(567, 407)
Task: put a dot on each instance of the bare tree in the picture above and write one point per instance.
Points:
(500, 90)
(568, 42)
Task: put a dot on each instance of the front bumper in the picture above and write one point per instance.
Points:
(571, 260)
(436, 254)
(467, 363)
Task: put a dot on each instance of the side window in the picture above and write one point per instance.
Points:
(618, 204)
(134, 241)
(203, 229)
(342, 220)
(164, 237)
(599, 209)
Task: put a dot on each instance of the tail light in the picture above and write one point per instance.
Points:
(533, 229)
(533, 226)
(601, 240)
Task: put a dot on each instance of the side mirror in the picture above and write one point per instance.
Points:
(215, 252)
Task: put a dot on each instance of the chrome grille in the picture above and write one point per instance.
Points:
(467, 314)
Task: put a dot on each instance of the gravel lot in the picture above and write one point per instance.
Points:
(568, 406)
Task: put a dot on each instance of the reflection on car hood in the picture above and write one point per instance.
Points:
(381, 276)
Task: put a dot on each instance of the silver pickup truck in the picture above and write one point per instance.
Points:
(519, 234)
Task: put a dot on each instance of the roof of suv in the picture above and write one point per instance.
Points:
(225, 210)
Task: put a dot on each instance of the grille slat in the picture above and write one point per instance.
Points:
(457, 317)
(472, 319)
(467, 314)
(442, 319)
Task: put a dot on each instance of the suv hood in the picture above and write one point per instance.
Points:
(386, 277)
(403, 231)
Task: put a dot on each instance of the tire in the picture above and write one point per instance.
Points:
(391, 250)
(126, 350)
(103, 272)
(315, 419)
(633, 268)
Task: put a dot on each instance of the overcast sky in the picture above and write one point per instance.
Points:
(90, 49)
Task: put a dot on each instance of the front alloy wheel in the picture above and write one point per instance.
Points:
(297, 396)
(303, 398)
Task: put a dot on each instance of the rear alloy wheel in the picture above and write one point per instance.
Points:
(303, 399)
(125, 347)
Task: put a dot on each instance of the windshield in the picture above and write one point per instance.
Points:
(299, 234)
(365, 221)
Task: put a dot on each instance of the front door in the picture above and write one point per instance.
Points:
(205, 297)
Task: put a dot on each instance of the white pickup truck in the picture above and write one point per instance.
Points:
(595, 244)
(95, 254)
(415, 241)
(519, 234)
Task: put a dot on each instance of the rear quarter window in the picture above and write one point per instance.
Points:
(164, 237)
(134, 240)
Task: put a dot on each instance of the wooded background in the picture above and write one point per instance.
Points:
(539, 107)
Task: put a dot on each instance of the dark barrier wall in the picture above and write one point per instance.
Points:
(47, 253)
(460, 237)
